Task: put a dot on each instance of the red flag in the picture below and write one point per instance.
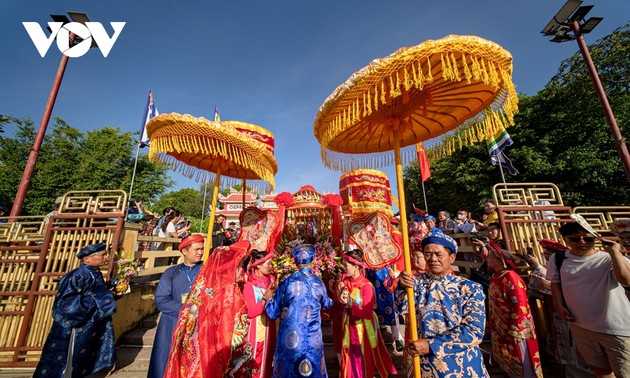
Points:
(423, 162)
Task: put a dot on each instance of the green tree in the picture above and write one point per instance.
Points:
(71, 160)
(188, 201)
(560, 136)
(13, 155)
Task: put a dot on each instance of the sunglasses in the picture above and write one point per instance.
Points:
(587, 239)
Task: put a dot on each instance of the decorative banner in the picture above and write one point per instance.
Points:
(261, 228)
(365, 191)
(255, 132)
(373, 234)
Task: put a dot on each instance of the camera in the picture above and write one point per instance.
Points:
(183, 223)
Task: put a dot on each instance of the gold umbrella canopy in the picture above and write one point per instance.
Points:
(424, 91)
(206, 146)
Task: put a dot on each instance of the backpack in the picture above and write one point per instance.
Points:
(560, 256)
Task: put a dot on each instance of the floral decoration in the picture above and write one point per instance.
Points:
(333, 199)
(126, 268)
(327, 261)
(284, 198)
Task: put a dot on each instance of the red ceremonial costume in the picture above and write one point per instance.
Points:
(510, 320)
(210, 336)
(363, 349)
(261, 333)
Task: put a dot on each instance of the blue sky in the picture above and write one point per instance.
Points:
(270, 63)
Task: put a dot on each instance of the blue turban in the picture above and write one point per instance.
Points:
(304, 253)
(430, 217)
(417, 218)
(438, 237)
(90, 249)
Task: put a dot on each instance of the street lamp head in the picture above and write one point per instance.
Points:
(559, 38)
(563, 14)
(78, 17)
(580, 13)
(569, 19)
(590, 24)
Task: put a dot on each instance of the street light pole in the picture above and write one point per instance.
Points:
(620, 142)
(18, 202)
(569, 18)
(39, 138)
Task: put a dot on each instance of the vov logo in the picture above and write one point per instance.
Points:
(84, 33)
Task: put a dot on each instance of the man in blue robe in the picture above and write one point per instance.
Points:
(171, 293)
(450, 314)
(298, 302)
(81, 340)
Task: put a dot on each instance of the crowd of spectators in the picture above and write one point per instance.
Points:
(582, 291)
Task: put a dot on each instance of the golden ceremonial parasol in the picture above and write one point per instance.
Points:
(260, 135)
(461, 85)
(194, 145)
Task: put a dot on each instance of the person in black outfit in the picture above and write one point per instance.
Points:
(218, 232)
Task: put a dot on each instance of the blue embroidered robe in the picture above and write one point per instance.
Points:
(298, 302)
(83, 309)
(175, 282)
(384, 298)
(450, 314)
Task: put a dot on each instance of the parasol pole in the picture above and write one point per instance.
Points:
(215, 195)
(244, 192)
(406, 254)
(203, 206)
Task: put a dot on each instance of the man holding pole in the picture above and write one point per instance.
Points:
(450, 312)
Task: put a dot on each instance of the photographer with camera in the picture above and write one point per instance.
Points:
(218, 232)
(230, 234)
(480, 244)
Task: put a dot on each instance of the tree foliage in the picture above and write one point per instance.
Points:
(560, 136)
(188, 201)
(72, 160)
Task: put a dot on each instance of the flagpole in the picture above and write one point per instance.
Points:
(424, 193)
(135, 164)
(133, 177)
(203, 206)
(501, 168)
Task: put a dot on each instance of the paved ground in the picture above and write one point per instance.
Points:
(134, 353)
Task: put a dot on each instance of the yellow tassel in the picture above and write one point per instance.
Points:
(392, 88)
(383, 99)
(476, 69)
(484, 72)
(494, 76)
(351, 110)
(369, 104)
(408, 83)
(414, 75)
(446, 69)
(364, 106)
(455, 68)
(376, 98)
(467, 73)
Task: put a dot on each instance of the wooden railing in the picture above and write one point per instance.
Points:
(154, 262)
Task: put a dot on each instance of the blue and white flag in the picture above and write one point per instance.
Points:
(495, 148)
(505, 162)
(217, 116)
(150, 112)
